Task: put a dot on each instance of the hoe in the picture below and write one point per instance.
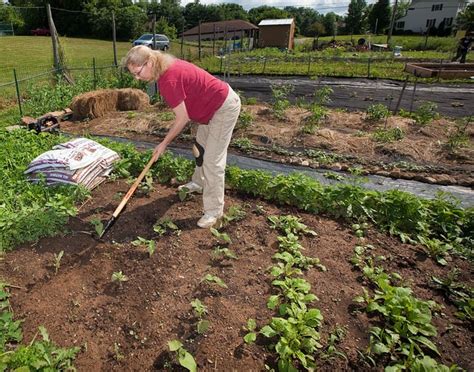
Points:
(125, 199)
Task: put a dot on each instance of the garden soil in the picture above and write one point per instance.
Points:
(340, 142)
(126, 327)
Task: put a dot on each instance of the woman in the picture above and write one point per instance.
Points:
(193, 94)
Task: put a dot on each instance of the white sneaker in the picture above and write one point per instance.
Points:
(208, 221)
(192, 187)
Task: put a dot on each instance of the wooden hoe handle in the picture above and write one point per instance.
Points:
(132, 189)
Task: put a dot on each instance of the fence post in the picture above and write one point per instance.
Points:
(309, 63)
(264, 64)
(17, 92)
(368, 67)
(114, 38)
(182, 41)
(94, 73)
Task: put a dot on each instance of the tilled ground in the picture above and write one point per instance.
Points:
(126, 326)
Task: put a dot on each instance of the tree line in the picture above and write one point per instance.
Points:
(93, 18)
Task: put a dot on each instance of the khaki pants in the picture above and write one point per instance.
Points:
(215, 138)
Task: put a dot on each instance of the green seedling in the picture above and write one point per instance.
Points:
(377, 112)
(223, 237)
(221, 253)
(290, 225)
(165, 224)
(245, 119)
(98, 226)
(57, 261)
(166, 116)
(118, 356)
(149, 244)
(235, 213)
(119, 277)
(360, 229)
(200, 310)
(335, 337)
(251, 336)
(214, 279)
(183, 193)
(333, 176)
(146, 186)
(185, 359)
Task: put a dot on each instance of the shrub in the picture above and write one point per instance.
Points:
(426, 113)
(388, 135)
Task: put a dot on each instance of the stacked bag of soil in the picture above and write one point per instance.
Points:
(77, 162)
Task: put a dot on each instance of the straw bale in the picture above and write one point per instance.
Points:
(99, 103)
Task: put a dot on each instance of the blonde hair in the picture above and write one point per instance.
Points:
(140, 54)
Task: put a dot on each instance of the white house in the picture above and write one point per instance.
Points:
(424, 14)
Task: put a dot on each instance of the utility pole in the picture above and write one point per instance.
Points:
(153, 29)
(392, 23)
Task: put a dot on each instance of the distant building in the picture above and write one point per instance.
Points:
(423, 15)
(235, 29)
(279, 33)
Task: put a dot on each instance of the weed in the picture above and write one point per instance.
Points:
(149, 244)
(426, 113)
(251, 336)
(333, 176)
(311, 123)
(166, 116)
(98, 226)
(459, 138)
(119, 277)
(377, 112)
(221, 253)
(209, 278)
(388, 135)
(200, 310)
(243, 144)
(57, 261)
(165, 224)
(131, 114)
(322, 96)
(234, 213)
(251, 101)
(280, 93)
(118, 356)
(458, 293)
(185, 359)
(290, 225)
(245, 119)
(335, 337)
(224, 237)
(146, 186)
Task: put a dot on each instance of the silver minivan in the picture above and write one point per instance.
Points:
(162, 41)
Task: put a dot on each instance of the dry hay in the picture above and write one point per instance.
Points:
(98, 103)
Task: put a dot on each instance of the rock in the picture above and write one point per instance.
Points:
(396, 173)
(305, 163)
(444, 179)
(383, 173)
(266, 140)
(336, 167)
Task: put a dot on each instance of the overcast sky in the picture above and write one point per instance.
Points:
(322, 6)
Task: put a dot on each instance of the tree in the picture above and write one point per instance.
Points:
(465, 19)
(266, 12)
(402, 8)
(355, 20)
(317, 29)
(232, 11)
(379, 16)
(304, 18)
(330, 23)
(10, 16)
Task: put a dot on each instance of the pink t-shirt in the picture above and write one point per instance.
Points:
(202, 93)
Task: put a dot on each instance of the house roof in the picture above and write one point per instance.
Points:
(276, 22)
(232, 25)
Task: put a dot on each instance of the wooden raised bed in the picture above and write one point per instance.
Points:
(442, 70)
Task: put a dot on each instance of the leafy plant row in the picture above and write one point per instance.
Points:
(33, 211)
(295, 330)
(401, 339)
(38, 355)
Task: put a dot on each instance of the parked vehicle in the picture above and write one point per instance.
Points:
(162, 41)
(41, 32)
